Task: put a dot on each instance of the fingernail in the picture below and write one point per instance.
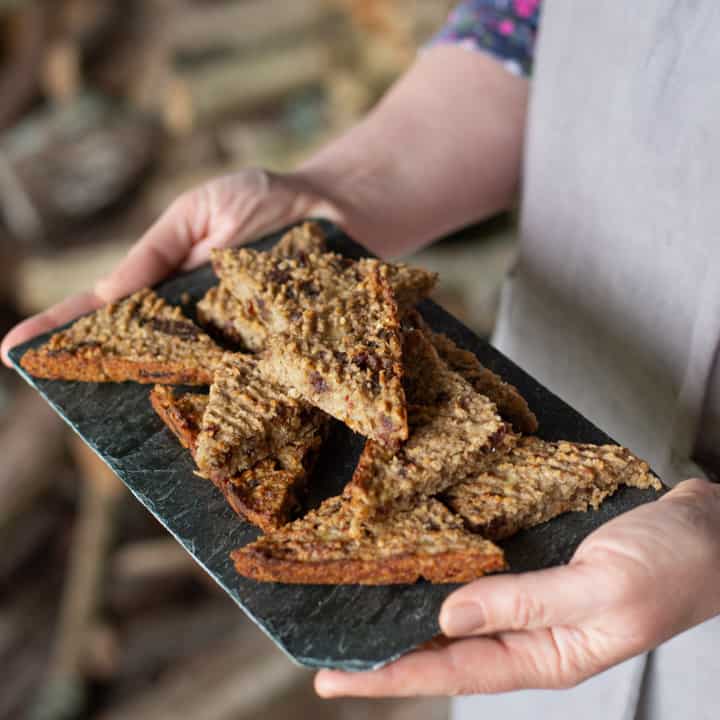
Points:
(328, 683)
(458, 620)
(100, 288)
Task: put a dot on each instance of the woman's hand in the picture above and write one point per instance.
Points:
(632, 584)
(227, 211)
(428, 159)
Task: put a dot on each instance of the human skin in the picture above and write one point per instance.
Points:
(441, 150)
(635, 582)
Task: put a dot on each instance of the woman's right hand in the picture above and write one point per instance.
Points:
(227, 211)
(434, 155)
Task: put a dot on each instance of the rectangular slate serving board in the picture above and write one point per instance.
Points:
(350, 627)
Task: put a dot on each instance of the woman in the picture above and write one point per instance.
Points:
(614, 304)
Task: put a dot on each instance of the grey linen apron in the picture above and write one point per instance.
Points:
(615, 299)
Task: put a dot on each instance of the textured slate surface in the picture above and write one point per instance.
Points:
(349, 627)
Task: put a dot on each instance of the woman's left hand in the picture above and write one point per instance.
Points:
(632, 584)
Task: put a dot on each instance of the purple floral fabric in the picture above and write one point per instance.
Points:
(504, 28)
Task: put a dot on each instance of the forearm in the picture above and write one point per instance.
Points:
(442, 149)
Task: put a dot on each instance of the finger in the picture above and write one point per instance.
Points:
(557, 596)
(693, 487)
(48, 320)
(469, 666)
(161, 250)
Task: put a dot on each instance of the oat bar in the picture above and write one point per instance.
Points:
(538, 480)
(140, 338)
(425, 542)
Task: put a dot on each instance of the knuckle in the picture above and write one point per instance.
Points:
(184, 201)
(256, 180)
(705, 489)
(625, 590)
(573, 659)
(698, 486)
(463, 678)
(527, 610)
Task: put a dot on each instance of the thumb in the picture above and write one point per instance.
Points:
(161, 250)
(527, 601)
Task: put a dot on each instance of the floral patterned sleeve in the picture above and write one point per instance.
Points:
(504, 28)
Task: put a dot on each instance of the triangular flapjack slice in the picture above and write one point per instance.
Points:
(511, 405)
(181, 412)
(273, 288)
(237, 321)
(453, 431)
(345, 357)
(538, 480)
(247, 419)
(220, 311)
(268, 493)
(140, 338)
(301, 241)
(425, 542)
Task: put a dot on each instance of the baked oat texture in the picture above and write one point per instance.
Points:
(247, 418)
(182, 413)
(140, 338)
(276, 289)
(235, 321)
(425, 542)
(538, 480)
(345, 357)
(454, 431)
(511, 405)
(267, 494)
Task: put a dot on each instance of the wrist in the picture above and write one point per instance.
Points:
(431, 157)
(343, 190)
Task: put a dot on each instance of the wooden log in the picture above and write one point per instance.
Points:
(239, 84)
(102, 652)
(16, 205)
(64, 695)
(244, 24)
(61, 73)
(27, 32)
(30, 446)
(234, 679)
(157, 558)
(44, 280)
(24, 538)
(157, 641)
(26, 620)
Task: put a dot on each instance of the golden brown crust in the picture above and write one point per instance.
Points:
(453, 432)
(267, 494)
(140, 338)
(510, 404)
(238, 321)
(235, 321)
(440, 569)
(301, 240)
(427, 541)
(538, 480)
(219, 311)
(247, 418)
(181, 413)
(92, 366)
(277, 289)
(346, 358)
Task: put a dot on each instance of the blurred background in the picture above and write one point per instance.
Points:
(108, 110)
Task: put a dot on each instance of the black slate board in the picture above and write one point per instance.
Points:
(349, 627)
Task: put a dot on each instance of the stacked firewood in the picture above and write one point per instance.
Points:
(109, 110)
